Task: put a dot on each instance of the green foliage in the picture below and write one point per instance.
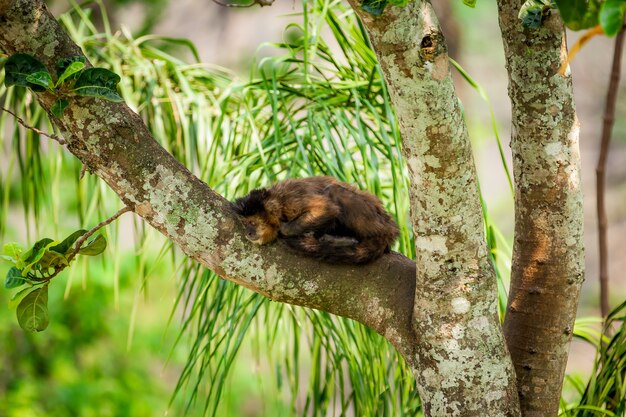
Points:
(377, 7)
(64, 64)
(605, 392)
(533, 12)
(98, 82)
(41, 78)
(19, 67)
(73, 79)
(59, 106)
(94, 247)
(85, 364)
(14, 279)
(374, 7)
(32, 311)
(36, 267)
(611, 16)
(70, 71)
(577, 14)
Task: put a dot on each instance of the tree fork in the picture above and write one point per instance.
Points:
(463, 367)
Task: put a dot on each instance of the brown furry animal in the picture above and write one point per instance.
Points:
(319, 217)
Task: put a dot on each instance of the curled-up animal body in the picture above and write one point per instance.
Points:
(319, 217)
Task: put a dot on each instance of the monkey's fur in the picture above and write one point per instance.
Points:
(319, 217)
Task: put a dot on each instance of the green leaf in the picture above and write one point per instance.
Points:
(18, 67)
(52, 259)
(59, 107)
(12, 249)
(32, 312)
(66, 245)
(470, 3)
(98, 82)
(18, 296)
(70, 72)
(33, 255)
(42, 78)
(8, 259)
(579, 14)
(374, 7)
(64, 63)
(100, 92)
(14, 278)
(94, 247)
(533, 12)
(611, 16)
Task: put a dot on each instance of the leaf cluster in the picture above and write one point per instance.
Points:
(577, 14)
(33, 269)
(605, 392)
(376, 7)
(72, 79)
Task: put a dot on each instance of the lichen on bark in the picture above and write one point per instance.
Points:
(461, 354)
(547, 266)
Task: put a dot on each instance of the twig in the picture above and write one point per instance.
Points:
(83, 170)
(607, 127)
(82, 239)
(34, 129)
(87, 235)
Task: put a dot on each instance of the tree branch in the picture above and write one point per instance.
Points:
(607, 128)
(116, 145)
(83, 238)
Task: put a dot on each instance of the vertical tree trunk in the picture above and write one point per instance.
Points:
(462, 365)
(548, 263)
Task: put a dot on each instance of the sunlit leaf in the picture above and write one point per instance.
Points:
(70, 71)
(33, 255)
(64, 63)
(12, 249)
(41, 78)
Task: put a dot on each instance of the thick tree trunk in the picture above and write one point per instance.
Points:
(548, 267)
(463, 367)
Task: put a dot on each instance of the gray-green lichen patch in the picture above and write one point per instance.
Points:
(177, 213)
(248, 267)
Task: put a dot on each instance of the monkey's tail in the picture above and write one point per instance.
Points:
(340, 249)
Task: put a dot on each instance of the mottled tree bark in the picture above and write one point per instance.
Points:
(463, 367)
(548, 267)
